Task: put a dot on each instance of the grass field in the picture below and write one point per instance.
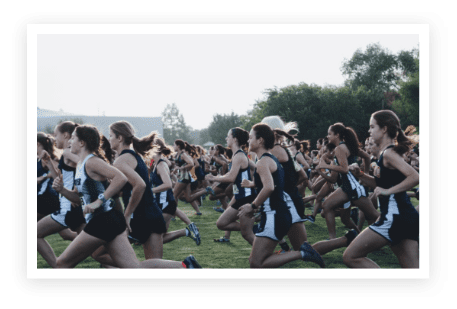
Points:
(234, 254)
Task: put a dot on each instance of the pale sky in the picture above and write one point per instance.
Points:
(204, 74)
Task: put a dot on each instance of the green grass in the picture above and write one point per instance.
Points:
(234, 254)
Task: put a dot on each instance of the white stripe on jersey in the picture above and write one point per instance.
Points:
(245, 175)
(44, 185)
(163, 197)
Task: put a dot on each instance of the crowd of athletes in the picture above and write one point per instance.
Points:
(105, 193)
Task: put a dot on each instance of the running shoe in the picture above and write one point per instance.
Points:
(355, 215)
(218, 209)
(282, 251)
(309, 218)
(222, 239)
(311, 255)
(210, 190)
(191, 262)
(350, 235)
(194, 233)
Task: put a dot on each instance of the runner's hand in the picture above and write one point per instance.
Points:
(58, 182)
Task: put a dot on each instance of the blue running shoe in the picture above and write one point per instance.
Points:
(191, 262)
(210, 191)
(194, 233)
(218, 209)
(311, 255)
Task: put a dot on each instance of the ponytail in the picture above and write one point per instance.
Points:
(143, 145)
(108, 153)
(348, 135)
(283, 133)
(47, 141)
(388, 119)
(403, 144)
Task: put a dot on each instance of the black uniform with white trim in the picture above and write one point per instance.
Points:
(147, 217)
(47, 197)
(68, 215)
(293, 197)
(242, 195)
(276, 219)
(399, 219)
(349, 183)
(105, 222)
(165, 199)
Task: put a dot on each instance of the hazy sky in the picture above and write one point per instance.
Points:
(204, 74)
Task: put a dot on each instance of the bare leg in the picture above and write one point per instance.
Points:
(46, 227)
(170, 236)
(246, 224)
(323, 192)
(182, 216)
(102, 256)
(153, 247)
(68, 234)
(407, 252)
(263, 254)
(334, 200)
(355, 256)
(325, 246)
(297, 235)
(345, 215)
(78, 250)
(370, 212)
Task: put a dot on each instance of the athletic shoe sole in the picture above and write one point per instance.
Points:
(191, 262)
(311, 255)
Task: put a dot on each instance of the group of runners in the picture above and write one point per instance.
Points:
(260, 180)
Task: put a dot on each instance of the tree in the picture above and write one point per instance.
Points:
(174, 126)
(407, 105)
(379, 70)
(220, 126)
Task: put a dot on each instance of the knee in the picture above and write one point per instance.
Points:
(347, 259)
(61, 263)
(220, 224)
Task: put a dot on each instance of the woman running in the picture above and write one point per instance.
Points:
(276, 219)
(398, 225)
(184, 163)
(105, 226)
(239, 171)
(68, 216)
(162, 188)
(349, 188)
(292, 173)
(143, 216)
(47, 199)
(220, 167)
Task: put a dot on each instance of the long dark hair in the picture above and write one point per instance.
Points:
(48, 143)
(67, 127)
(279, 132)
(302, 146)
(94, 141)
(140, 145)
(187, 147)
(241, 135)
(264, 131)
(387, 118)
(348, 135)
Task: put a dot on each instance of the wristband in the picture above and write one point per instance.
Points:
(253, 206)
